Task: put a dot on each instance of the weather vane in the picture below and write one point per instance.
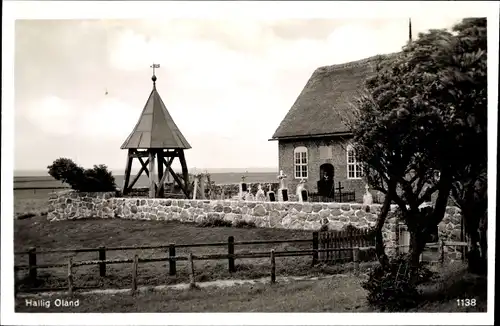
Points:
(154, 66)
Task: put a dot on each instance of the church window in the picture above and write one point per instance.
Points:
(300, 162)
(354, 169)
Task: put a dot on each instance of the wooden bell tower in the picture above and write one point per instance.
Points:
(157, 139)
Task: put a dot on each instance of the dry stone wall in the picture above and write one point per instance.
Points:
(70, 204)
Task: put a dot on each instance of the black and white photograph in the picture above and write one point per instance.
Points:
(249, 157)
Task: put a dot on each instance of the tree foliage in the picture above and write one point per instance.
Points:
(420, 127)
(95, 179)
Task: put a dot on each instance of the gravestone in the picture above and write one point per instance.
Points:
(260, 195)
(243, 188)
(249, 196)
(282, 191)
(195, 187)
(300, 189)
(367, 197)
(272, 196)
(284, 194)
(202, 186)
(304, 195)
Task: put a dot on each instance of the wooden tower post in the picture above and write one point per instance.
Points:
(157, 139)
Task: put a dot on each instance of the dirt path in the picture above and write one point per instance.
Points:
(185, 286)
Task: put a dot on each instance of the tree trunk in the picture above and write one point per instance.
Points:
(379, 239)
(421, 225)
(471, 226)
(418, 238)
(483, 244)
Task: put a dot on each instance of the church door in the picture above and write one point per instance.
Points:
(325, 183)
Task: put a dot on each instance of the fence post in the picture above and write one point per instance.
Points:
(16, 281)
(441, 260)
(171, 262)
(134, 274)
(397, 231)
(273, 267)
(192, 283)
(355, 255)
(230, 251)
(102, 256)
(315, 247)
(70, 276)
(32, 264)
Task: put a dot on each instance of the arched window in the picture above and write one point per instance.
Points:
(354, 169)
(300, 162)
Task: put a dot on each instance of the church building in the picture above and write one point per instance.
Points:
(313, 139)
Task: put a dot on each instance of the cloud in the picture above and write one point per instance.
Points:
(227, 84)
(110, 119)
(52, 115)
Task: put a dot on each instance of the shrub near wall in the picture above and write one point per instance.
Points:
(290, 215)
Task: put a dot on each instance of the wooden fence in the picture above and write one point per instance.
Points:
(318, 249)
(327, 247)
(344, 239)
(344, 197)
(338, 242)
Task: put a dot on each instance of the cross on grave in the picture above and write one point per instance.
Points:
(340, 191)
(282, 178)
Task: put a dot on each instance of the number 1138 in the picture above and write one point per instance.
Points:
(466, 302)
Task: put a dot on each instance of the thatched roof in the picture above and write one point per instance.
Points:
(327, 100)
(155, 128)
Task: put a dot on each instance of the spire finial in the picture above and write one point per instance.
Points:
(154, 66)
(409, 29)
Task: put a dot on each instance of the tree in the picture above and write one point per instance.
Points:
(91, 180)
(413, 125)
(67, 171)
(459, 65)
(386, 130)
(469, 189)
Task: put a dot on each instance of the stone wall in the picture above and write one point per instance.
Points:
(288, 215)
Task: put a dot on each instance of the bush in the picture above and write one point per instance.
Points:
(216, 222)
(244, 224)
(392, 289)
(96, 179)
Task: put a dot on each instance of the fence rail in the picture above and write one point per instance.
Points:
(190, 258)
(192, 245)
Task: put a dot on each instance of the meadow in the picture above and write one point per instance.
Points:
(219, 178)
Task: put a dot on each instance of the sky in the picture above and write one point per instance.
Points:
(226, 83)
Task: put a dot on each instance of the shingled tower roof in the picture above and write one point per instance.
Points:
(326, 100)
(155, 128)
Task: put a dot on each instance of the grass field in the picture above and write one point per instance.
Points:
(40, 233)
(342, 294)
(218, 178)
